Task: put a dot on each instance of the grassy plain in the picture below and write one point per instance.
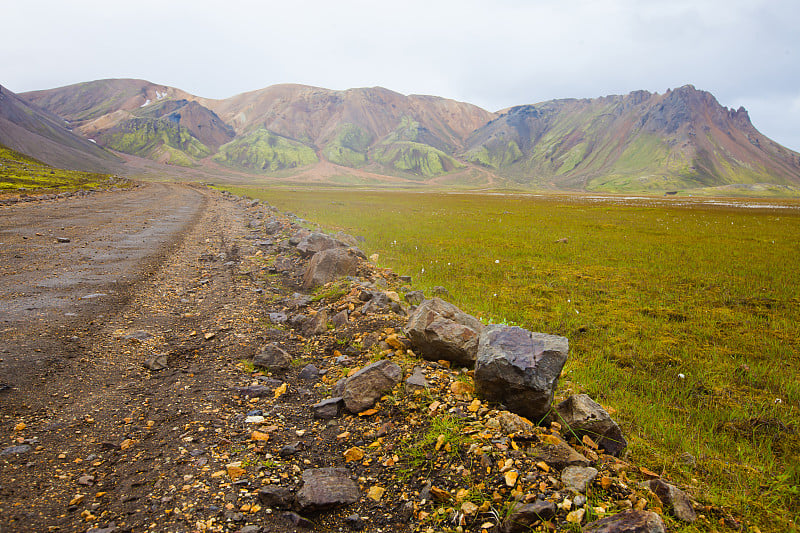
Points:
(683, 319)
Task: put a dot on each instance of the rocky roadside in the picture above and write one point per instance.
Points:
(265, 378)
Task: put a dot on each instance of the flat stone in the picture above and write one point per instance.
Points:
(325, 488)
(276, 497)
(328, 408)
(365, 387)
(522, 517)
(156, 362)
(630, 521)
(416, 381)
(16, 450)
(558, 455)
(309, 373)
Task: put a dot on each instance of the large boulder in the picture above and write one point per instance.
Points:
(440, 330)
(361, 390)
(519, 369)
(325, 488)
(583, 416)
(630, 521)
(329, 265)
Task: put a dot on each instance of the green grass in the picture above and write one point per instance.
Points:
(20, 173)
(644, 293)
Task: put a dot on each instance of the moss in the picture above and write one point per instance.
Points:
(349, 146)
(263, 150)
(151, 138)
(414, 158)
(19, 172)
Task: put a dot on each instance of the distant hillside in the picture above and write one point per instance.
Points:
(677, 140)
(680, 140)
(44, 136)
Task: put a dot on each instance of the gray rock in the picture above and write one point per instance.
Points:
(316, 324)
(377, 302)
(301, 234)
(317, 242)
(340, 319)
(283, 264)
(290, 449)
(273, 357)
(577, 478)
(272, 226)
(345, 238)
(62, 239)
(519, 368)
(275, 497)
(583, 416)
(415, 297)
(365, 387)
(522, 517)
(15, 450)
(330, 265)
(278, 318)
(416, 381)
(328, 408)
(309, 373)
(440, 330)
(630, 521)
(298, 301)
(325, 488)
(676, 501)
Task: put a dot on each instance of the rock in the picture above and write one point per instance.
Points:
(156, 362)
(301, 234)
(415, 297)
(511, 423)
(257, 391)
(630, 521)
(405, 278)
(309, 373)
(316, 324)
(140, 336)
(251, 529)
(440, 291)
(440, 330)
(273, 357)
(298, 521)
(278, 318)
(583, 416)
(577, 478)
(283, 264)
(345, 238)
(275, 496)
(519, 368)
(522, 517)
(298, 301)
(317, 242)
(272, 226)
(330, 265)
(377, 302)
(290, 449)
(325, 488)
(340, 319)
(62, 239)
(365, 387)
(15, 450)
(676, 501)
(558, 454)
(329, 408)
(416, 381)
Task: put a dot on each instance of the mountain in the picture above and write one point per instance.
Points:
(44, 136)
(682, 139)
(677, 140)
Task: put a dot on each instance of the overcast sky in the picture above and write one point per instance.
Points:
(492, 53)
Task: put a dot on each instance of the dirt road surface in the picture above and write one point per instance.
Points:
(146, 272)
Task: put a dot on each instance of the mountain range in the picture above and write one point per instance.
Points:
(682, 139)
